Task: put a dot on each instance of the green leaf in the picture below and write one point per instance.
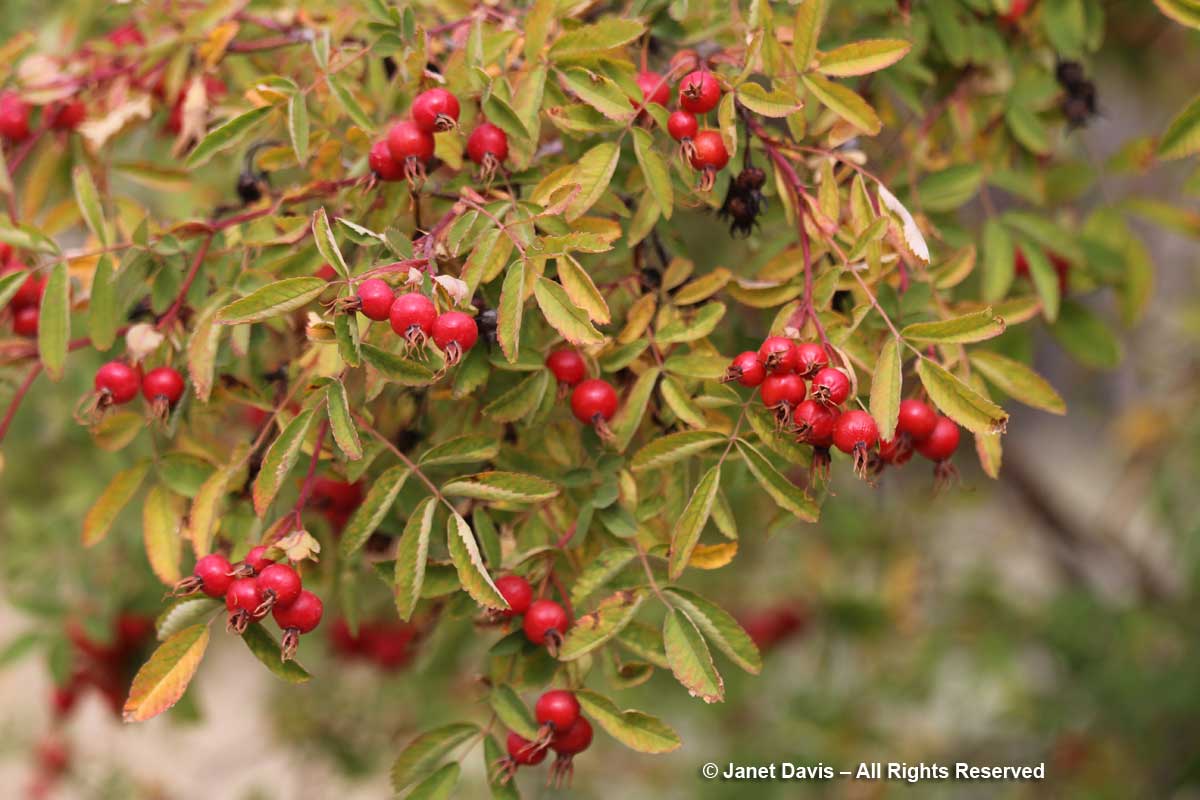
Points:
(703, 323)
(1086, 336)
(164, 678)
(591, 40)
(950, 188)
(162, 519)
(863, 58)
(521, 399)
(225, 135)
(885, 389)
(272, 300)
(1182, 137)
(510, 310)
(185, 612)
(998, 260)
(326, 243)
(1184, 12)
(663, 451)
(1028, 129)
(375, 507)
(599, 92)
(348, 102)
(599, 571)
(720, 628)
(564, 316)
(499, 112)
(118, 493)
(264, 647)
(959, 401)
(411, 556)
(654, 169)
(10, 284)
(690, 524)
(765, 425)
(280, 458)
(298, 126)
(344, 431)
(977, 326)
(583, 292)
(592, 172)
(423, 752)
(345, 330)
(806, 30)
(202, 521)
(594, 629)
(88, 200)
(487, 258)
(1045, 279)
(625, 422)
(844, 102)
(634, 729)
(438, 786)
(472, 573)
(102, 306)
(512, 711)
(397, 369)
(777, 103)
(1018, 381)
(690, 660)
(511, 487)
(54, 321)
(462, 450)
(783, 491)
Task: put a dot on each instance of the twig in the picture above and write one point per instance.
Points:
(188, 280)
(22, 390)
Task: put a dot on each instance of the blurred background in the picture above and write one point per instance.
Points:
(1049, 616)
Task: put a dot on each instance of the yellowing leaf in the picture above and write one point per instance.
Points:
(563, 315)
(885, 389)
(959, 401)
(472, 573)
(163, 679)
(162, 519)
(862, 58)
(115, 497)
(845, 103)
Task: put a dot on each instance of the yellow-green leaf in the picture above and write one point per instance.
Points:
(374, 508)
(564, 316)
(411, 556)
(885, 389)
(977, 326)
(654, 169)
(862, 58)
(510, 487)
(629, 416)
(326, 243)
(806, 30)
(783, 491)
(511, 309)
(593, 173)
(426, 750)
(281, 456)
(690, 524)
(845, 103)
(162, 519)
(959, 401)
(163, 679)
(54, 321)
(720, 628)
(88, 200)
(582, 291)
(1018, 381)
(225, 135)
(116, 496)
(472, 573)
(595, 628)
(344, 431)
(690, 660)
(272, 300)
(634, 729)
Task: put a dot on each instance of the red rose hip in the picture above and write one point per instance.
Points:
(382, 164)
(435, 110)
(211, 575)
(810, 358)
(682, 125)
(25, 321)
(594, 402)
(487, 146)
(411, 147)
(302, 615)
(412, 316)
(567, 366)
(654, 89)
(117, 383)
(163, 384)
(524, 752)
(746, 369)
(454, 333)
(830, 386)
(558, 708)
(280, 586)
(375, 299)
(517, 592)
(778, 354)
(545, 623)
(699, 92)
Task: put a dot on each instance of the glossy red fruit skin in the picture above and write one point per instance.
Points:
(835, 384)
(432, 108)
(25, 321)
(654, 89)
(557, 708)
(575, 740)
(567, 366)
(941, 444)
(517, 592)
(916, 419)
(163, 382)
(699, 92)
(749, 369)
(14, 117)
(778, 354)
(810, 358)
(817, 421)
(487, 139)
(302, 615)
(243, 595)
(281, 581)
(787, 389)
(455, 327)
(523, 752)
(376, 298)
(592, 399)
(854, 429)
(412, 309)
(67, 115)
(891, 452)
(119, 380)
(710, 152)
(213, 571)
(682, 125)
(542, 617)
(382, 164)
(406, 140)
(257, 559)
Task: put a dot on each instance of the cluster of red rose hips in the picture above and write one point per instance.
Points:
(116, 383)
(414, 317)
(699, 93)
(15, 113)
(545, 621)
(563, 729)
(253, 588)
(813, 411)
(26, 303)
(389, 645)
(408, 148)
(593, 401)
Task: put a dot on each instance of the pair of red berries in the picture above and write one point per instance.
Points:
(564, 730)
(593, 401)
(918, 426)
(117, 383)
(26, 303)
(545, 621)
(699, 93)
(414, 316)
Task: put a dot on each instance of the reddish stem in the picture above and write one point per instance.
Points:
(22, 390)
(188, 280)
(309, 477)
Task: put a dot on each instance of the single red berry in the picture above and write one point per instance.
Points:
(243, 595)
(709, 151)
(214, 573)
(682, 125)
(67, 115)
(814, 423)
(785, 391)
(942, 442)
(810, 358)
(376, 298)
(699, 92)
(25, 321)
(746, 369)
(524, 752)
(257, 559)
(406, 140)
(126, 35)
(917, 420)
(382, 164)
(855, 429)
(545, 619)
(654, 89)
(326, 272)
(279, 584)
(14, 117)
(778, 354)
(301, 615)
(412, 316)
(895, 451)
(567, 366)
(435, 110)
(487, 143)
(454, 333)
(574, 740)
(517, 592)
(830, 385)
(557, 708)
(117, 381)
(593, 401)
(163, 382)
